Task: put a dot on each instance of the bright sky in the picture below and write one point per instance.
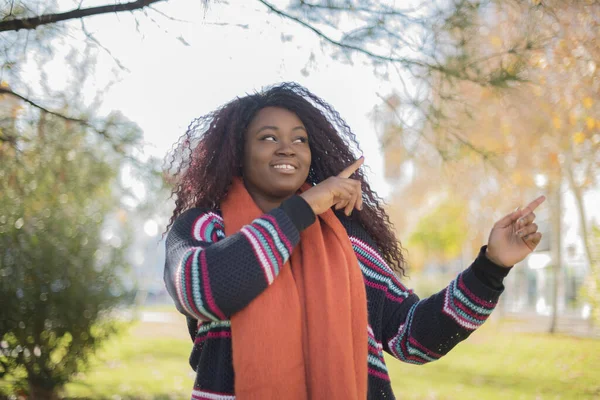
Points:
(169, 83)
(180, 70)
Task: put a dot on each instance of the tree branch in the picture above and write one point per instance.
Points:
(379, 57)
(83, 122)
(34, 22)
(91, 37)
(350, 8)
(116, 146)
(406, 62)
(4, 90)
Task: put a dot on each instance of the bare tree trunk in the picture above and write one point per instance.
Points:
(555, 248)
(577, 192)
(589, 250)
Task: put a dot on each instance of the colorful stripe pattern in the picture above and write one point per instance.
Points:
(400, 323)
(464, 307)
(461, 304)
(406, 347)
(208, 227)
(198, 394)
(271, 248)
(376, 362)
(213, 330)
(193, 285)
(377, 274)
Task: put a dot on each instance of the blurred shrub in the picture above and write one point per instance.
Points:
(61, 264)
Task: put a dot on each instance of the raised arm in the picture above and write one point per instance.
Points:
(210, 276)
(419, 331)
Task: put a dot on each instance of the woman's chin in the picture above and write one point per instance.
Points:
(286, 191)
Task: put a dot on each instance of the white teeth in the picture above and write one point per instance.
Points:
(284, 166)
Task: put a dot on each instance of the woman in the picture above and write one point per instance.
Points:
(280, 256)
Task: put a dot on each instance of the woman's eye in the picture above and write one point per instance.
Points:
(269, 138)
(301, 140)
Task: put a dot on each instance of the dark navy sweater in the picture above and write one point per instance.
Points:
(210, 277)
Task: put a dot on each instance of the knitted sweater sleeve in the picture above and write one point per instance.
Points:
(210, 276)
(417, 330)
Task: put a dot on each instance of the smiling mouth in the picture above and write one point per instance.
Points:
(285, 168)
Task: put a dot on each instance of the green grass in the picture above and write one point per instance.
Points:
(149, 361)
(495, 363)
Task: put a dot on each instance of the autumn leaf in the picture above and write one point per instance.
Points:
(588, 102)
(496, 41)
(590, 122)
(572, 118)
(579, 137)
(517, 178)
(557, 122)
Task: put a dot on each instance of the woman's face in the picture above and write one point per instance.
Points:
(276, 155)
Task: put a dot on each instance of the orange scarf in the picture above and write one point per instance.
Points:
(305, 336)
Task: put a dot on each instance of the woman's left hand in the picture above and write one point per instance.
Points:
(515, 236)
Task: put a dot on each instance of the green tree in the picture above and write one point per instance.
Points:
(440, 234)
(62, 247)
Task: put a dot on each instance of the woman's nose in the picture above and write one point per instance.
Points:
(285, 148)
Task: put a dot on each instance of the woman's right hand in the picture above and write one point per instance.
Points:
(339, 191)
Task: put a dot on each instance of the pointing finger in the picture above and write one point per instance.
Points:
(509, 218)
(513, 216)
(349, 170)
(534, 204)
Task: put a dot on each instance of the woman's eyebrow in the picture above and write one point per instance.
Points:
(275, 128)
(263, 128)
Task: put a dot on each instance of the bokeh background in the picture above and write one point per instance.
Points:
(464, 110)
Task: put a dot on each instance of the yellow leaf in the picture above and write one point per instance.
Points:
(496, 41)
(590, 122)
(572, 118)
(588, 102)
(517, 178)
(579, 137)
(557, 122)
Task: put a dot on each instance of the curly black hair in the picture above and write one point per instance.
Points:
(205, 159)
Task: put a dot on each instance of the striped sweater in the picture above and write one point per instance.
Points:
(210, 277)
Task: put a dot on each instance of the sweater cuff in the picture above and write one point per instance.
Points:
(299, 211)
(487, 272)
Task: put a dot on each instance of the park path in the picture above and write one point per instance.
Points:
(567, 324)
(173, 324)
